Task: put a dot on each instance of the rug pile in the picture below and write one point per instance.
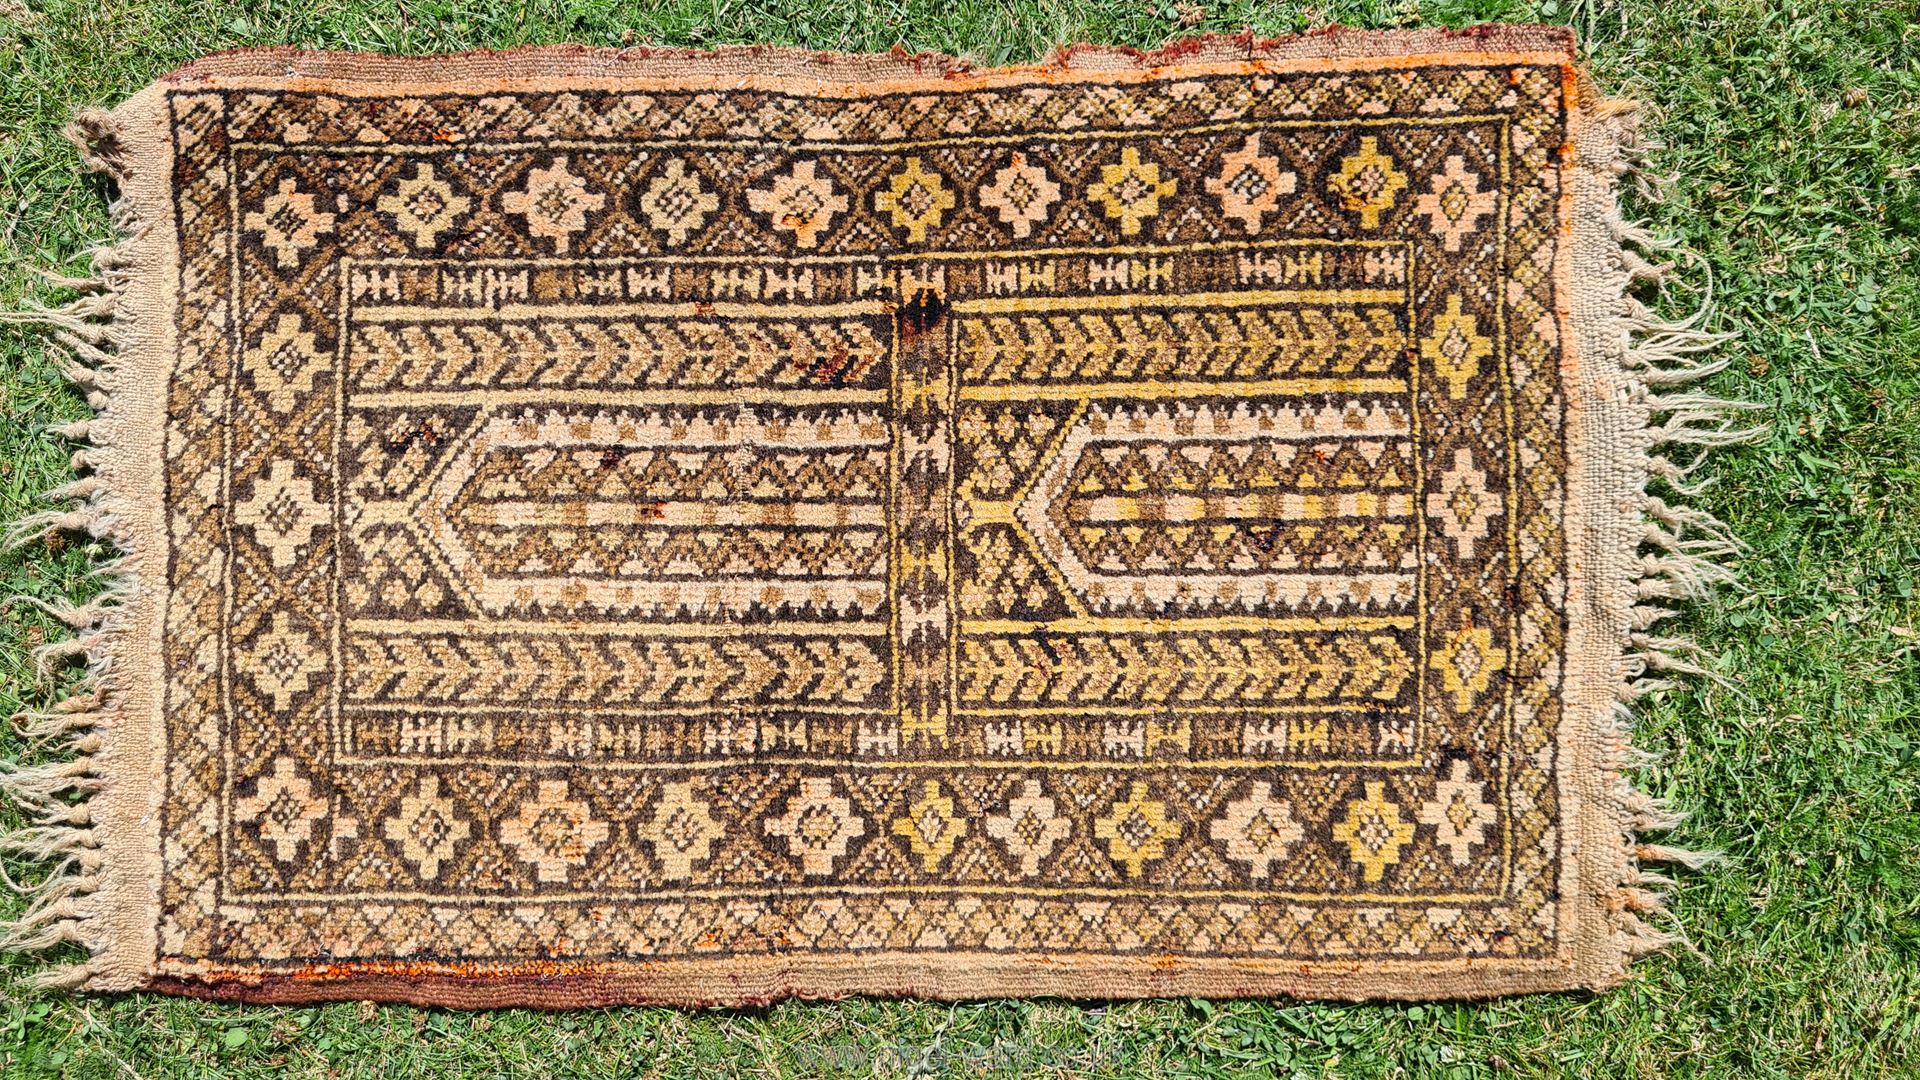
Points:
(647, 526)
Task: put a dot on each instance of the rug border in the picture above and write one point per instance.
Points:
(116, 911)
(290, 67)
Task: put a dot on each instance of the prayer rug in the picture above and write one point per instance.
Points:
(652, 526)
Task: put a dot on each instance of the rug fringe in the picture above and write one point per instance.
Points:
(56, 774)
(1681, 544)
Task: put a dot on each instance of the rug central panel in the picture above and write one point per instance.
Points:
(1149, 505)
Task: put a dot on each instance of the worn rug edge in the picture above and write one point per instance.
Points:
(89, 785)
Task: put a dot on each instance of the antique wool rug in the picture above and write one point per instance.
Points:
(652, 526)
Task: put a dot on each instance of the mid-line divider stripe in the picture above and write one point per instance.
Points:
(1193, 511)
(1135, 301)
(843, 762)
(1203, 625)
(1359, 710)
(985, 305)
(676, 309)
(601, 713)
(1146, 389)
(1151, 389)
(638, 512)
(625, 628)
(647, 398)
(1356, 710)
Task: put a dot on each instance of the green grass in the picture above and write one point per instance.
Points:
(1794, 128)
